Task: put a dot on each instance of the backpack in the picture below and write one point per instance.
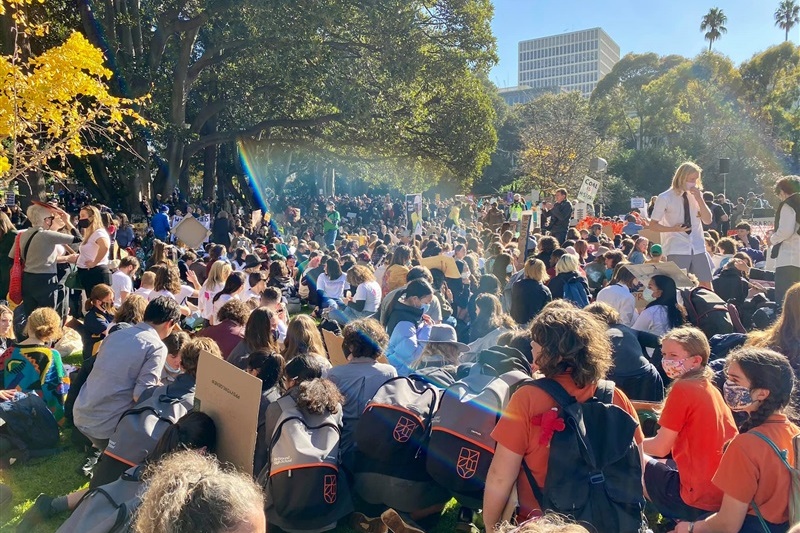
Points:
(461, 447)
(575, 292)
(595, 476)
(109, 508)
(707, 311)
(395, 423)
(304, 485)
(794, 474)
(140, 427)
(29, 429)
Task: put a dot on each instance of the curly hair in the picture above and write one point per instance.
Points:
(359, 274)
(765, 369)
(365, 338)
(188, 491)
(572, 340)
(44, 324)
(168, 278)
(319, 396)
(234, 310)
(190, 352)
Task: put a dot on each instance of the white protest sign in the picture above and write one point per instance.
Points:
(647, 270)
(589, 190)
(231, 397)
(638, 203)
(761, 225)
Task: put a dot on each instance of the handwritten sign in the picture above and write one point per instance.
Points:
(589, 190)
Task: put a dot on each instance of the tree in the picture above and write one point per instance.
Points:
(557, 141)
(54, 105)
(787, 16)
(714, 25)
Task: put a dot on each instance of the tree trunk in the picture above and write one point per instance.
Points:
(210, 154)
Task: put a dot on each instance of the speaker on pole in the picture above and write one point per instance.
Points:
(724, 166)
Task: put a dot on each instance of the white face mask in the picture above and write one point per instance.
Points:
(648, 295)
(691, 185)
(171, 370)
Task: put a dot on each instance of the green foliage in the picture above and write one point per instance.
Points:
(644, 171)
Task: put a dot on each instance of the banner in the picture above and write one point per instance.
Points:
(524, 232)
(589, 190)
(761, 225)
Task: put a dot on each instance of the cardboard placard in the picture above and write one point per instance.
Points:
(589, 189)
(647, 270)
(191, 232)
(524, 232)
(652, 236)
(256, 217)
(333, 343)
(231, 397)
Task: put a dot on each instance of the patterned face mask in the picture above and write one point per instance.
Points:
(674, 368)
(736, 396)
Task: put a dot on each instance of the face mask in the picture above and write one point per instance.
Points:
(171, 370)
(83, 223)
(425, 308)
(673, 369)
(648, 295)
(736, 396)
(510, 269)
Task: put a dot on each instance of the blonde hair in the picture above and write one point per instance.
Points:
(148, 280)
(95, 221)
(219, 272)
(44, 324)
(694, 342)
(303, 337)
(536, 269)
(549, 523)
(187, 491)
(682, 174)
(568, 263)
(4, 310)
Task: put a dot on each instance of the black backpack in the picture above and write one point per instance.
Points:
(29, 429)
(707, 311)
(109, 508)
(594, 471)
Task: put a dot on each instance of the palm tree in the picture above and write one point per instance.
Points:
(787, 16)
(714, 25)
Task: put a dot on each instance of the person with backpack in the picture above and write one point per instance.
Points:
(268, 367)
(695, 425)
(663, 312)
(757, 473)
(112, 505)
(305, 486)
(539, 448)
(141, 426)
(568, 282)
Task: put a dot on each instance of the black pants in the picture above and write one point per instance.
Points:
(90, 277)
(785, 277)
(39, 290)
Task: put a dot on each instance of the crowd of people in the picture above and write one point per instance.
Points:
(456, 302)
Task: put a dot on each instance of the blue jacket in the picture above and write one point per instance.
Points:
(160, 225)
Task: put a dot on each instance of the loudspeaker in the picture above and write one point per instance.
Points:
(724, 166)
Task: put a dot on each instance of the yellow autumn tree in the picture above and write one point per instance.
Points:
(51, 104)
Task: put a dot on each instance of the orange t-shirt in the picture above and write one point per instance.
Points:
(515, 431)
(750, 469)
(694, 408)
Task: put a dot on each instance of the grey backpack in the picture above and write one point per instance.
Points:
(140, 427)
(461, 447)
(304, 485)
(109, 508)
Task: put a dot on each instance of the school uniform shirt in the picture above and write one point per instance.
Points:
(750, 469)
(620, 298)
(695, 409)
(143, 292)
(120, 282)
(668, 211)
(653, 320)
(786, 235)
(515, 431)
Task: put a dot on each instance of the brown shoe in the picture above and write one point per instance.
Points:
(397, 524)
(364, 524)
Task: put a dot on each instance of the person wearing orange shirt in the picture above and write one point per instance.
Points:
(578, 372)
(753, 477)
(695, 426)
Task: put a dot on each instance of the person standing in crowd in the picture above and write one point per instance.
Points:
(785, 240)
(6, 328)
(727, 208)
(160, 223)
(125, 234)
(129, 362)
(695, 426)
(8, 236)
(330, 226)
(222, 230)
(93, 260)
(559, 216)
(39, 249)
(679, 215)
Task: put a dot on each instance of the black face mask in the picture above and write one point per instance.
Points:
(83, 223)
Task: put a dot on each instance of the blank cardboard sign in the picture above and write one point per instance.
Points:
(231, 397)
(191, 231)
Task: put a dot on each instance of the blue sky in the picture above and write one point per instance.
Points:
(661, 26)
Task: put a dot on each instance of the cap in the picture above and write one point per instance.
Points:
(656, 250)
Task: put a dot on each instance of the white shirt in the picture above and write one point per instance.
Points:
(185, 292)
(144, 292)
(216, 306)
(654, 320)
(88, 250)
(332, 288)
(370, 292)
(120, 282)
(204, 304)
(668, 211)
(786, 235)
(620, 298)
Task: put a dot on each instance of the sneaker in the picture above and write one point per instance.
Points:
(91, 460)
(364, 524)
(40, 511)
(398, 524)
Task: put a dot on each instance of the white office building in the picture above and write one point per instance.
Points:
(568, 62)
